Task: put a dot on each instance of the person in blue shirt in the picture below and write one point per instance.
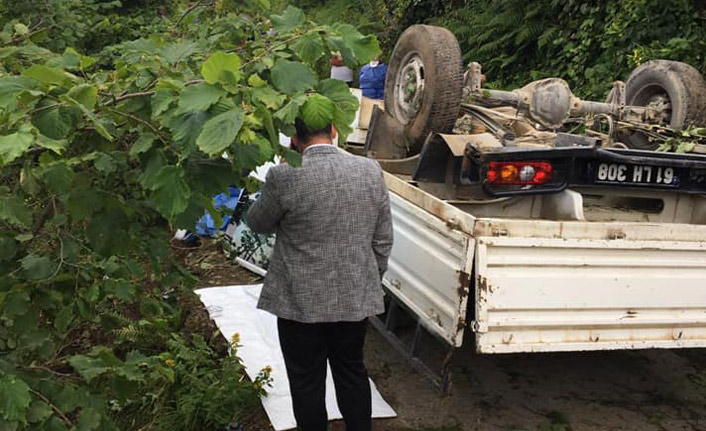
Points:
(372, 79)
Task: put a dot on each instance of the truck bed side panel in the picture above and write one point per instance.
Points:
(540, 295)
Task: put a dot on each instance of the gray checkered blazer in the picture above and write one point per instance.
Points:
(334, 236)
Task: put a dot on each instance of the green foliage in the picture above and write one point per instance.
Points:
(100, 157)
(317, 112)
(684, 141)
(15, 397)
(86, 25)
(220, 131)
(590, 44)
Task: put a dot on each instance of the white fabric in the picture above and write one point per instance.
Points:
(260, 173)
(233, 308)
(342, 73)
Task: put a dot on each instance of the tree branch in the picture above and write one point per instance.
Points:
(189, 10)
(129, 96)
(19, 39)
(141, 121)
(53, 407)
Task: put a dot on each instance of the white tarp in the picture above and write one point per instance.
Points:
(233, 308)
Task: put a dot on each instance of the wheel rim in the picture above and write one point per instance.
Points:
(657, 98)
(409, 88)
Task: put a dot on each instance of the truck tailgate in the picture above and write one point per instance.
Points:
(556, 294)
(429, 269)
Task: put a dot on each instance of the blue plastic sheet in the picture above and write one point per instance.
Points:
(225, 203)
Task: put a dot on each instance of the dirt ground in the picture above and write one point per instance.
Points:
(624, 390)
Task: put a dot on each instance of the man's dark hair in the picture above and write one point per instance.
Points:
(306, 135)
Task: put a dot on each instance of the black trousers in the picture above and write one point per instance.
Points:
(306, 347)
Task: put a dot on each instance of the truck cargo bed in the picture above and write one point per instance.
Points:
(545, 285)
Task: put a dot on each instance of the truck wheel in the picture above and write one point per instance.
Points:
(673, 85)
(424, 82)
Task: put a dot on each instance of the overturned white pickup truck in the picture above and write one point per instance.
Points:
(533, 239)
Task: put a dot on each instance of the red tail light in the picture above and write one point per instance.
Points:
(519, 173)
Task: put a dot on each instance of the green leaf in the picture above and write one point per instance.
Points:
(14, 398)
(100, 128)
(37, 267)
(39, 411)
(346, 104)
(107, 231)
(186, 128)
(8, 51)
(266, 118)
(46, 75)
(268, 97)
(69, 60)
(85, 94)
(290, 111)
(120, 289)
(176, 52)
(143, 144)
(199, 97)
(104, 163)
(292, 76)
(83, 203)
(88, 420)
(89, 368)
(290, 19)
(8, 248)
(21, 29)
(34, 339)
(10, 86)
(161, 101)
(8, 425)
(64, 318)
(55, 424)
(56, 145)
(317, 112)
(309, 48)
(58, 178)
(87, 62)
(26, 97)
(340, 94)
(365, 48)
(220, 131)
(170, 191)
(17, 303)
(13, 146)
(338, 44)
(131, 372)
(255, 81)
(14, 211)
(266, 149)
(222, 68)
(685, 147)
(24, 237)
(54, 120)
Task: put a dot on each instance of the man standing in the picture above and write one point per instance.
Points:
(340, 71)
(334, 236)
(372, 79)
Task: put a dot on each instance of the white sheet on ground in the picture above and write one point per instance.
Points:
(233, 308)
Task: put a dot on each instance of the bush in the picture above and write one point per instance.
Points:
(100, 158)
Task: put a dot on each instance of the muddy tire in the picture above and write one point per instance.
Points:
(665, 81)
(424, 82)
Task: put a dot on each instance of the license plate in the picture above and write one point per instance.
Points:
(625, 173)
